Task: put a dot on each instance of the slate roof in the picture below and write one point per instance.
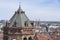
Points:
(20, 18)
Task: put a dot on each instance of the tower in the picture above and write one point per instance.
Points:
(19, 27)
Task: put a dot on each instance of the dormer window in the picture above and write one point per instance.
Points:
(26, 24)
(18, 12)
(15, 24)
(32, 23)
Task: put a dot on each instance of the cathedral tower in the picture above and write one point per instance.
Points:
(19, 27)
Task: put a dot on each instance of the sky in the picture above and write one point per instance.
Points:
(43, 10)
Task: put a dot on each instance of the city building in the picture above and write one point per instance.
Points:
(1, 31)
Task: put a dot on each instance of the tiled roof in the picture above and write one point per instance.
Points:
(43, 37)
(1, 35)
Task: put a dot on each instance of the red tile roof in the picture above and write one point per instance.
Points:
(1, 35)
(43, 37)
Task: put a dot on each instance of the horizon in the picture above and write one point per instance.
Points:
(43, 10)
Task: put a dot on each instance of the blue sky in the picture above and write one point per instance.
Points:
(44, 10)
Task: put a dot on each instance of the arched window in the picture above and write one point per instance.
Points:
(32, 23)
(30, 38)
(25, 38)
(13, 39)
(15, 24)
(26, 24)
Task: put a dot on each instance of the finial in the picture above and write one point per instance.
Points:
(19, 9)
(19, 5)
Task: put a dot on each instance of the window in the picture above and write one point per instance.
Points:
(15, 24)
(26, 23)
(30, 38)
(32, 24)
(25, 38)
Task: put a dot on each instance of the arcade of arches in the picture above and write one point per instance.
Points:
(25, 38)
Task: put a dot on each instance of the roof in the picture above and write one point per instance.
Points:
(19, 17)
(1, 35)
(43, 37)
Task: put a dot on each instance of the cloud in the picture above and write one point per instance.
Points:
(35, 9)
(50, 12)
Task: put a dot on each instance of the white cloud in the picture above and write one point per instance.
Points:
(40, 11)
(43, 13)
